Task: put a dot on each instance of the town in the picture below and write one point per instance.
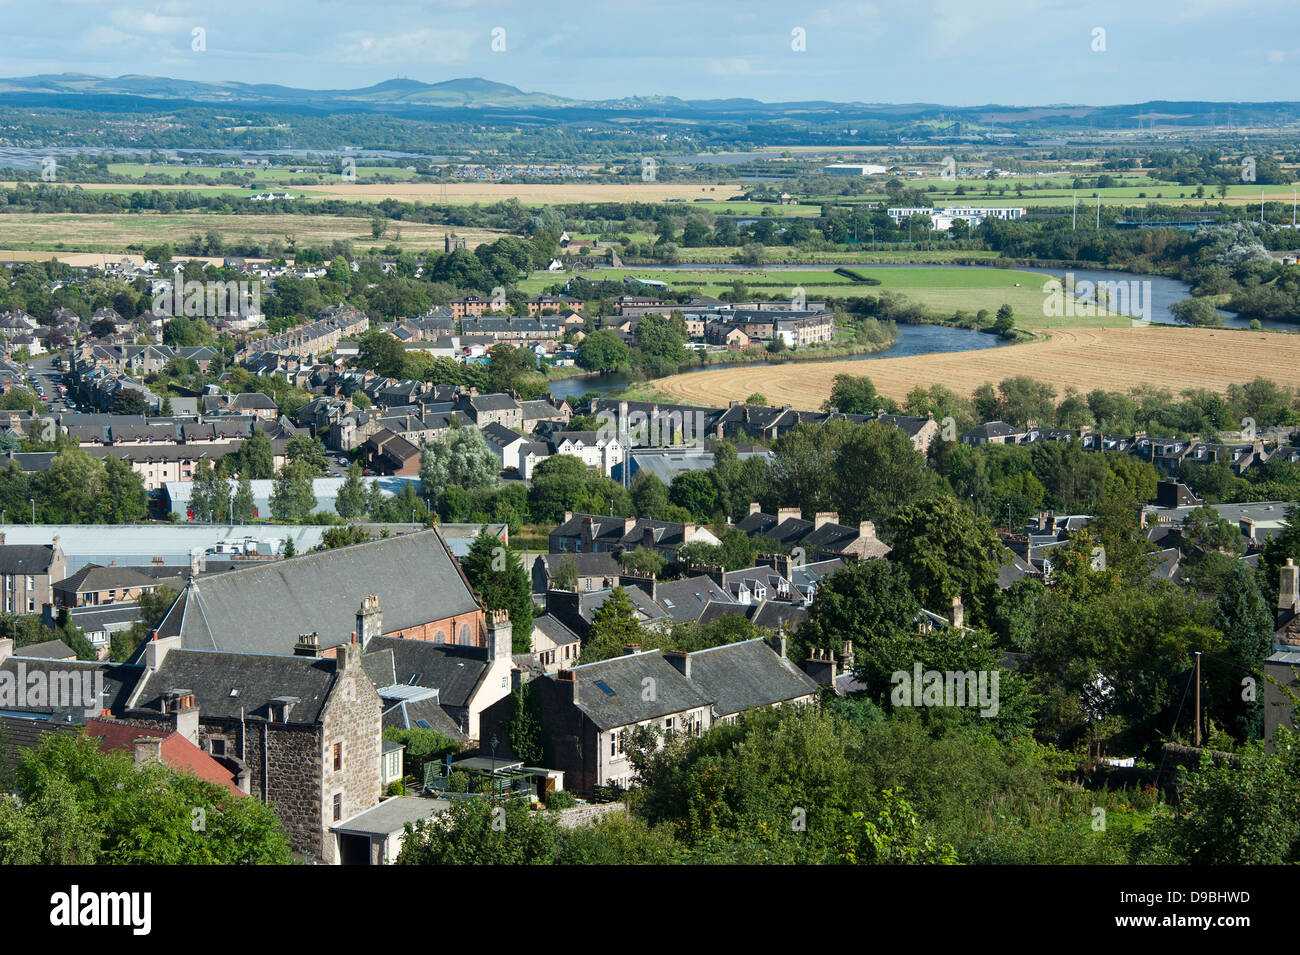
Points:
(740, 463)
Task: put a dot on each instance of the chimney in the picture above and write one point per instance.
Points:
(570, 679)
(347, 656)
(688, 533)
(370, 619)
(716, 573)
(1247, 526)
(646, 582)
(308, 645)
(198, 561)
(156, 650)
(181, 706)
(1288, 591)
(500, 635)
(846, 656)
(822, 518)
(779, 642)
(680, 661)
(784, 514)
(957, 616)
(866, 530)
(821, 667)
(568, 516)
(754, 507)
(588, 528)
(628, 524)
(631, 648)
(148, 749)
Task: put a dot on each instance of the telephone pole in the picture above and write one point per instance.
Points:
(1198, 697)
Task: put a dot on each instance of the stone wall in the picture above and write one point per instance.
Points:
(353, 718)
(577, 816)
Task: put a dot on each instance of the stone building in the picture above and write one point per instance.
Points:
(305, 729)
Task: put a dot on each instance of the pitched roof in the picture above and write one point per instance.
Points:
(612, 692)
(94, 577)
(454, 671)
(262, 609)
(737, 676)
(176, 752)
(25, 558)
(231, 685)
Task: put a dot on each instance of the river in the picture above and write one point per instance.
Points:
(1159, 291)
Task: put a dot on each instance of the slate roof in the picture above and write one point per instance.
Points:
(262, 609)
(25, 558)
(119, 680)
(686, 599)
(424, 713)
(228, 684)
(621, 700)
(94, 577)
(454, 671)
(48, 650)
(737, 676)
(554, 629)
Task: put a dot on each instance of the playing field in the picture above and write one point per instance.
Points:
(1115, 359)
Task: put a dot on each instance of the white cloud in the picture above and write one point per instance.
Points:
(417, 46)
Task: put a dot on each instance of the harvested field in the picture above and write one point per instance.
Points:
(112, 233)
(1115, 359)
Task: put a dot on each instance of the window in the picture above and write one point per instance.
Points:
(338, 806)
(338, 757)
(218, 745)
(31, 582)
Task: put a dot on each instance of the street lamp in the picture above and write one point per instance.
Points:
(32, 502)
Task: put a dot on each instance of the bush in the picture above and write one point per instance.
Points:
(558, 799)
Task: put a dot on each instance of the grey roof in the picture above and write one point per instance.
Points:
(119, 679)
(49, 650)
(264, 608)
(454, 671)
(93, 577)
(392, 815)
(553, 628)
(740, 675)
(686, 599)
(612, 692)
(226, 685)
(25, 558)
(424, 713)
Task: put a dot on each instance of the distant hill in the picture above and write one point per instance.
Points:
(409, 97)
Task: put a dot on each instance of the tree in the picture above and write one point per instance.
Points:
(81, 805)
(308, 452)
(459, 457)
(382, 353)
(523, 726)
(695, 491)
(209, 494)
(473, 832)
(293, 497)
(1238, 811)
(649, 497)
(128, 401)
(565, 576)
(614, 626)
(643, 561)
(499, 579)
(122, 498)
(865, 602)
(947, 551)
(351, 500)
(255, 458)
(244, 508)
(602, 351)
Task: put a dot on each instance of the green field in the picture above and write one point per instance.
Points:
(941, 291)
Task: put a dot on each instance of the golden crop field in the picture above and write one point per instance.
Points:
(1115, 359)
(112, 233)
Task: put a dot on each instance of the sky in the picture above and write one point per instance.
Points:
(951, 52)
